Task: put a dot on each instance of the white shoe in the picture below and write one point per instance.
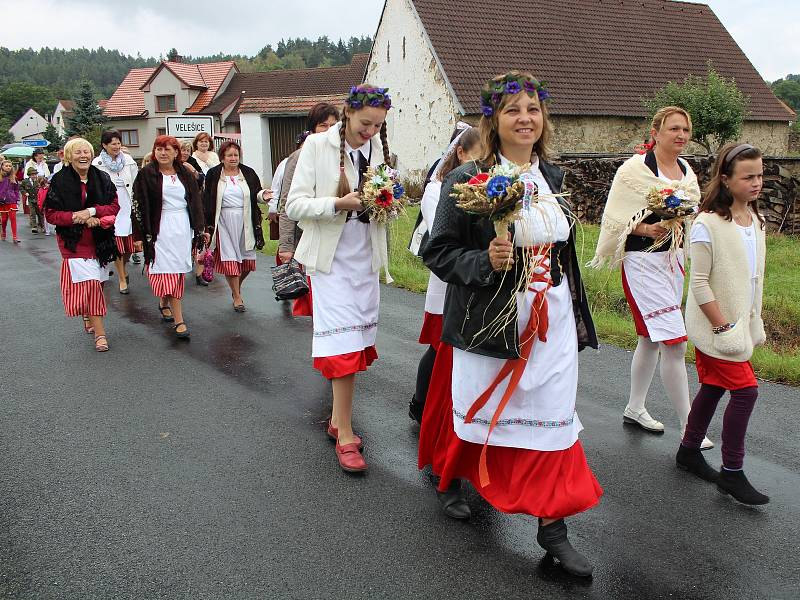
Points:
(643, 420)
(706, 444)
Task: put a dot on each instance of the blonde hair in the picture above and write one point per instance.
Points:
(72, 145)
(146, 159)
(187, 145)
(13, 175)
(490, 140)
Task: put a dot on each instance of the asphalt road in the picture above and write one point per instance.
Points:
(165, 469)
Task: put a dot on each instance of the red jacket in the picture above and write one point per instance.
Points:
(85, 247)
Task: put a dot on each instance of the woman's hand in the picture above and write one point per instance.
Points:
(285, 256)
(501, 253)
(92, 222)
(138, 246)
(80, 217)
(266, 195)
(350, 202)
(206, 238)
(651, 230)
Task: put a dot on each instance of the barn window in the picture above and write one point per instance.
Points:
(404, 47)
(388, 59)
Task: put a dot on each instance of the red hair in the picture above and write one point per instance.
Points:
(164, 141)
(227, 145)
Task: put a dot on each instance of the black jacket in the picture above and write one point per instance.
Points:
(253, 183)
(147, 202)
(457, 252)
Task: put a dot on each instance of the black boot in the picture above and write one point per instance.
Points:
(415, 409)
(553, 538)
(692, 460)
(735, 483)
(452, 501)
(200, 281)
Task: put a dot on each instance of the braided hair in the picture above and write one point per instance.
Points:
(344, 185)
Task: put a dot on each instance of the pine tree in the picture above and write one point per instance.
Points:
(87, 114)
(51, 135)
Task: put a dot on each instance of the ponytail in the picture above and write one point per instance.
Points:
(344, 185)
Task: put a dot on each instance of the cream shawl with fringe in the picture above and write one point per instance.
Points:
(626, 207)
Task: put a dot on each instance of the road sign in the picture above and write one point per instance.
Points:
(36, 143)
(188, 127)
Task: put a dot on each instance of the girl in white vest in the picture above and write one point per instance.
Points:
(723, 314)
(343, 252)
(652, 275)
(123, 170)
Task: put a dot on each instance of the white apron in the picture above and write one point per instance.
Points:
(86, 269)
(122, 224)
(346, 300)
(655, 280)
(541, 412)
(230, 227)
(174, 242)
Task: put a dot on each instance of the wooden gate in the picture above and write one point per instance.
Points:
(283, 132)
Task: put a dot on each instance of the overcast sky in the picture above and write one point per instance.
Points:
(767, 30)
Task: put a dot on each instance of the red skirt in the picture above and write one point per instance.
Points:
(124, 244)
(341, 365)
(303, 306)
(431, 333)
(167, 284)
(726, 374)
(638, 320)
(550, 485)
(232, 268)
(84, 298)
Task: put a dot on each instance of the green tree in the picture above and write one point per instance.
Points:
(788, 90)
(51, 135)
(18, 96)
(5, 134)
(717, 107)
(173, 55)
(86, 112)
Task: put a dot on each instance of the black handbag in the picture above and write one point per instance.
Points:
(289, 281)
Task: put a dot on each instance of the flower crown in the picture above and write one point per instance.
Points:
(493, 91)
(366, 95)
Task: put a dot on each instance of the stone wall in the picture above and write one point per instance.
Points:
(794, 141)
(588, 179)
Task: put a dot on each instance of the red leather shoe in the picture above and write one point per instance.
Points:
(350, 459)
(333, 433)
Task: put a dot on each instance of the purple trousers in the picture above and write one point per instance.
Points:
(734, 423)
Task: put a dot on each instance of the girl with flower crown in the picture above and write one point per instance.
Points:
(343, 252)
(652, 274)
(500, 410)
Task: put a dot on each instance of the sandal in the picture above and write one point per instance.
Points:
(101, 343)
(87, 325)
(239, 308)
(166, 318)
(184, 335)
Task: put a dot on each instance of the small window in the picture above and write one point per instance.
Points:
(388, 59)
(165, 104)
(404, 47)
(161, 131)
(130, 137)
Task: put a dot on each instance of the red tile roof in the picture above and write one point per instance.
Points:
(67, 104)
(600, 57)
(290, 105)
(128, 99)
(284, 85)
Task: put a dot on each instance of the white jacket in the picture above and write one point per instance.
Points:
(128, 174)
(312, 197)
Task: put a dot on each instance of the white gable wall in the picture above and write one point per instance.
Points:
(29, 125)
(424, 112)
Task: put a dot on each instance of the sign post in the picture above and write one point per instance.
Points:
(36, 143)
(188, 127)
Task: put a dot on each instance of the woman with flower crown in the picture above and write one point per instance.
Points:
(500, 410)
(343, 251)
(652, 271)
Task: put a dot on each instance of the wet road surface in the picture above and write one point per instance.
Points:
(165, 469)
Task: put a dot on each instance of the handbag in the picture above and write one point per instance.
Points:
(289, 281)
(206, 258)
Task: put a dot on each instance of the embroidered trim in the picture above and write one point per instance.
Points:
(345, 329)
(518, 421)
(661, 311)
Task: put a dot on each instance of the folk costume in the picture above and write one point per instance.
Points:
(500, 410)
(9, 203)
(211, 160)
(231, 204)
(123, 170)
(342, 251)
(652, 280)
(86, 251)
(168, 218)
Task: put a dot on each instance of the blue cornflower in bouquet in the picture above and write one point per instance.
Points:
(672, 201)
(398, 191)
(497, 186)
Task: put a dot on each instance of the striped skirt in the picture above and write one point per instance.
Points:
(84, 298)
(124, 244)
(232, 268)
(167, 284)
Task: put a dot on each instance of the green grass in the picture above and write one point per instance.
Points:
(778, 360)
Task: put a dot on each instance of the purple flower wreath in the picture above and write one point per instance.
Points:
(366, 95)
(494, 91)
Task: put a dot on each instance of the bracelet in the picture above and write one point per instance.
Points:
(723, 328)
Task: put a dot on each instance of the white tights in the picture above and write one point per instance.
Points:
(673, 375)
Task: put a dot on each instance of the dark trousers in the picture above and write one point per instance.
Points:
(734, 423)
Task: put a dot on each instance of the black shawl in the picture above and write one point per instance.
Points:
(65, 195)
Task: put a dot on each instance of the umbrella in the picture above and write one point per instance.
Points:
(18, 152)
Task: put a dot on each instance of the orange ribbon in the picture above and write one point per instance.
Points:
(536, 329)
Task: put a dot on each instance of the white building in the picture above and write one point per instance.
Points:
(29, 126)
(62, 112)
